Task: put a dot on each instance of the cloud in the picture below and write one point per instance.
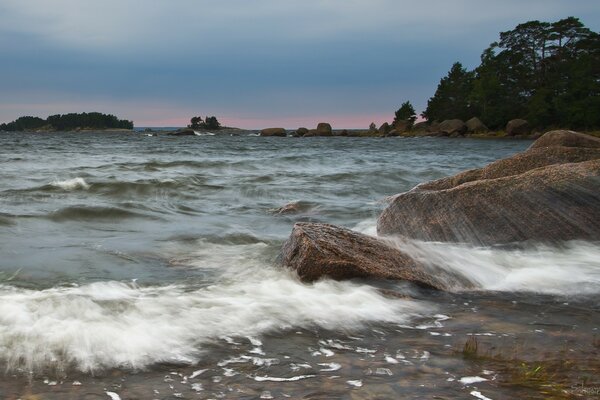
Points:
(251, 59)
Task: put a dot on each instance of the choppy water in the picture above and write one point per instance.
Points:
(144, 267)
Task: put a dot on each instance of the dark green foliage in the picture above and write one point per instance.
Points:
(451, 99)
(209, 123)
(406, 112)
(547, 73)
(67, 122)
(23, 123)
(212, 123)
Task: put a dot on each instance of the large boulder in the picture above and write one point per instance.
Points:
(452, 127)
(273, 132)
(324, 129)
(301, 131)
(420, 127)
(518, 127)
(317, 251)
(546, 194)
(567, 139)
(474, 125)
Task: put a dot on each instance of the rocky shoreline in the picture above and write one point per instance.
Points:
(548, 194)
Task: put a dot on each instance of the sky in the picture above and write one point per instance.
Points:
(253, 64)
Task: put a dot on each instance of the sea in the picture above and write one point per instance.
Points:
(145, 266)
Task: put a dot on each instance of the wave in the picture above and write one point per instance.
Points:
(110, 324)
(71, 184)
(93, 213)
(570, 269)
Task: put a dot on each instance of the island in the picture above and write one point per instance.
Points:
(68, 122)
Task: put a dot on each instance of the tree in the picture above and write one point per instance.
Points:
(451, 99)
(212, 123)
(546, 72)
(195, 122)
(407, 113)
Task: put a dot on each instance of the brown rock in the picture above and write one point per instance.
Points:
(546, 194)
(452, 126)
(301, 131)
(324, 129)
(567, 139)
(316, 251)
(273, 132)
(518, 127)
(422, 126)
(385, 128)
(474, 125)
(515, 165)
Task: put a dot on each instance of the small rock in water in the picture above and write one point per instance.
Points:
(266, 395)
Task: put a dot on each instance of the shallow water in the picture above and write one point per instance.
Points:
(145, 267)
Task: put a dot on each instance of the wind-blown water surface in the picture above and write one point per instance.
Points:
(146, 266)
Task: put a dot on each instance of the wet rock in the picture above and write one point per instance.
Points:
(518, 127)
(273, 132)
(182, 132)
(316, 251)
(294, 207)
(474, 125)
(546, 194)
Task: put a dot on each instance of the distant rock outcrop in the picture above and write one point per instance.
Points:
(317, 251)
(273, 132)
(452, 127)
(474, 125)
(518, 127)
(548, 193)
(324, 129)
(301, 132)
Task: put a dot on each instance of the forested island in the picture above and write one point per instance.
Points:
(68, 122)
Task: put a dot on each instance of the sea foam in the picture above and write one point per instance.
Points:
(71, 184)
(111, 324)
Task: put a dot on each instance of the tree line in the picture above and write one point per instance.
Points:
(545, 72)
(67, 122)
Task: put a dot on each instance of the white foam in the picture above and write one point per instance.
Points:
(112, 324)
(478, 395)
(71, 184)
(469, 380)
(573, 268)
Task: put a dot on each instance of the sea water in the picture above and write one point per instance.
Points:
(136, 266)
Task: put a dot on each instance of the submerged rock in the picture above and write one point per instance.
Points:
(548, 193)
(318, 250)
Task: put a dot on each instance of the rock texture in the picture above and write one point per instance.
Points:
(548, 193)
(567, 139)
(324, 129)
(273, 132)
(518, 127)
(474, 125)
(452, 127)
(316, 251)
(301, 131)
